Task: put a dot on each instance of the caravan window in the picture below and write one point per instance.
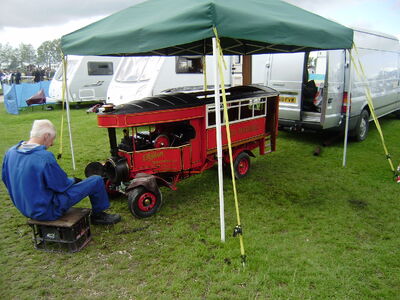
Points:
(100, 68)
(189, 64)
(136, 69)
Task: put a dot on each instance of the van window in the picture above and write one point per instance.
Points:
(316, 66)
(100, 68)
(189, 64)
(313, 89)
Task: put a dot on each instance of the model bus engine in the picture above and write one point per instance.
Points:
(116, 169)
(166, 135)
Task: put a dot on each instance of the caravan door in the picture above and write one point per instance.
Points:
(284, 73)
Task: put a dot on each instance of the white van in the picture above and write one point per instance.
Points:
(314, 87)
(139, 77)
(88, 78)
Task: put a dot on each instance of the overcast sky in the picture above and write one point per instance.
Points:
(33, 22)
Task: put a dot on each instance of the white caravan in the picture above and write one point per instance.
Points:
(314, 87)
(139, 77)
(88, 78)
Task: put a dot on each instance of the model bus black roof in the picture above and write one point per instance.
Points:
(186, 100)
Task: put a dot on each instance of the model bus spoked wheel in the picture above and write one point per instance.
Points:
(144, 203)
(241, 165)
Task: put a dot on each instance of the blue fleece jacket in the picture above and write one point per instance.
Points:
(35, 181)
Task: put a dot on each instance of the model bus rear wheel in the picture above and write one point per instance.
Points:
(143, 203)
(241, 165)
(361, 130)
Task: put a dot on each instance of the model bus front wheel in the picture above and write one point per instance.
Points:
(143, 203)
(241, 165)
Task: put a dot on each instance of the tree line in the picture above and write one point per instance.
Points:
(25, 57)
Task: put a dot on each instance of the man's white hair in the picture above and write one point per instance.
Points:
(41, 127)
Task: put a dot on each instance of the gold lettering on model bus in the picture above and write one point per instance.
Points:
(247, 129)
(169, 161)
(152, 155)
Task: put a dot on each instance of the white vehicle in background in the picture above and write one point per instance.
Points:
(88, 78)
(139, 77)
(323, 106)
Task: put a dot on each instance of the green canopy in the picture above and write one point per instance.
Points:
(185, 27)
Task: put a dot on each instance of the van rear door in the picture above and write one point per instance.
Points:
(326, 69)
(284, 72)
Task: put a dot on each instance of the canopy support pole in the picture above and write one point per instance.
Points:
(68, 114)
(217, 102)
(348, 107)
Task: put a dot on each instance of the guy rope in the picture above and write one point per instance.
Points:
(360, 72)
(238, 228)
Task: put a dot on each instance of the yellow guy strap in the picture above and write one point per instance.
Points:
(238, 228)
(360, 72)
(63, 90)
(205, 72)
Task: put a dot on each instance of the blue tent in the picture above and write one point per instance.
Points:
(15, 95)
(10, 99)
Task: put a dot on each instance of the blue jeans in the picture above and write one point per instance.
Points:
(92, 187)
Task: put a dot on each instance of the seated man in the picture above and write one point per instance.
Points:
(309, 91)
(38, 186)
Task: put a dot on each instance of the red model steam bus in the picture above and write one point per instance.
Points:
(169, 137)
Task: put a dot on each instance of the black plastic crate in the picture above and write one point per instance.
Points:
(70, 233)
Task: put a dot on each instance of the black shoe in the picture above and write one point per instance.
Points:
(103, 218)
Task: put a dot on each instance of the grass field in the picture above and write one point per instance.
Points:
(312, 229)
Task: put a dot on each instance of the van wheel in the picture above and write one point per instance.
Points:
(362, 127)
(143, 203)
(241, 165)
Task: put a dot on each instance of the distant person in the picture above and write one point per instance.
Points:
(309, 90)
(8, 78)
(36, 75)
(42, 74)
(2, 78)
(40, 189)
(18, 77)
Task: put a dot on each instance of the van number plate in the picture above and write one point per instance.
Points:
(287, 99)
